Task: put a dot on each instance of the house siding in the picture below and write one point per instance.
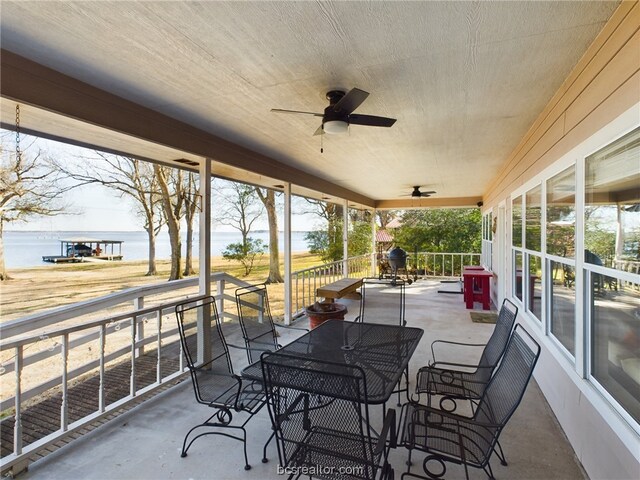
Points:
(598, 101)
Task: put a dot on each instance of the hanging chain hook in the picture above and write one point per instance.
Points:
(18, 152)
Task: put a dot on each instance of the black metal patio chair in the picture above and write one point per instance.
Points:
(470, 441)
(321, 418)
(458, 381)
(258, 328)
(384, 301)
(214, 381)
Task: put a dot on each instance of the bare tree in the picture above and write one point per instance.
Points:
(30, 185)
(331, 212)
(131, 178)
(240, 208)
(268, 199)
(171, 188)
(191, 191)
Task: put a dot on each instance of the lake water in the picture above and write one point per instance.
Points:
(25, 249)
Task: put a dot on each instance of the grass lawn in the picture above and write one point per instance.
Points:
(37, 289)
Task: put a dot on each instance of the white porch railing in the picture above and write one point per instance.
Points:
(429, 264)
(442, 264)
(39, 361)
(305, 282)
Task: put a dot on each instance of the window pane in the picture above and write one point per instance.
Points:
(612, 203)
(616, 344)
(563, 304)
(535, 286)
(516, 220)
(517, 282)
(533, 218)
(490, 226)
(561, 214)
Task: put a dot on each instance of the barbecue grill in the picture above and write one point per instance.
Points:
(397, 260)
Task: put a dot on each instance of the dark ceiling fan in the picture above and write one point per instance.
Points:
(417, 193)
(339, 114)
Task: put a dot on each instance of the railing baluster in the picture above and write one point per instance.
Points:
(297, 298)
(64, 407)
(220, 284)
(17, 427)
(315, 282)
(159, 345)
(138, 304)
(304, 288)
(101, 397)
(132, 383)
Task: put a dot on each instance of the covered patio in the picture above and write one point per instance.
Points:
(527, 110)
(533, 441)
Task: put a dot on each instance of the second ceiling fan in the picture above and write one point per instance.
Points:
(339, 114)
(417, 193)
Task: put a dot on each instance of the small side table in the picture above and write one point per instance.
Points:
(477, 288)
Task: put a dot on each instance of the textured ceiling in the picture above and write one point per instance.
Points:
(464, 79)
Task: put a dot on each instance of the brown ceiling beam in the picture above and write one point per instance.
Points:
(431, 202)
(25, 81)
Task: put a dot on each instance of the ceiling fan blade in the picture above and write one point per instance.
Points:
(371, 120)
(352, 100)
(430, 192)
(279, 110)
(319, 131)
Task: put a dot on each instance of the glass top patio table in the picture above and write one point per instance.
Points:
(382, 351)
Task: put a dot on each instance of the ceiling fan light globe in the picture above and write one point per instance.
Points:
(335, 126)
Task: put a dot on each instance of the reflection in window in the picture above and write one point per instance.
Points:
(517, 281)
(563, 304)
(491, 220)
(534, 293)
(516, 220)
(615, 334)
(561, 214)
(533, 221)
(612, 204)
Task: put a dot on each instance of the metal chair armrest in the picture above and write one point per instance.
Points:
(440, 365)
(289, 327)
(448, 342)
(454, 417)
(436, 377)
(248, 348)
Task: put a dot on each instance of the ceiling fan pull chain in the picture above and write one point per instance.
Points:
(321, 143)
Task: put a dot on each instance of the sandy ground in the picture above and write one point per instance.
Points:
(36, 289)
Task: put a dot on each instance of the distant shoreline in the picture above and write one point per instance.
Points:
(136, 231)
(24, 248)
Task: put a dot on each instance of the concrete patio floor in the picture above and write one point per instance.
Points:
(145, 442)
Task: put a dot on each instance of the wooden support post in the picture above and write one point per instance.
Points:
(288, 314)
(204, 260)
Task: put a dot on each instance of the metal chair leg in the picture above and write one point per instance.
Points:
(501, 455)
(264, 450)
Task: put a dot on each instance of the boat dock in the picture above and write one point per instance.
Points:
(76, 250)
